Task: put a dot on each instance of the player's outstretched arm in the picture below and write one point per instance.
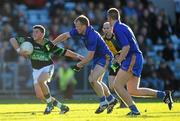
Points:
(73, 55)
(86, 59)
(62, 37)
(16, 46)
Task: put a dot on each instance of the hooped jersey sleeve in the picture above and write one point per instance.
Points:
(20, 40)
(54, 49)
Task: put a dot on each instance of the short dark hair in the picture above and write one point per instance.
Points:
(83, 20)
(113, 13)
(40, 27)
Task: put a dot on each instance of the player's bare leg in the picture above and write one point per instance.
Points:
(121, 80)
(38, 91)
(135, 90)
(111, 82)
(109, 97)
(42, 80)
(111, 87)
(96, 73)
(93, 79)
(40, 95)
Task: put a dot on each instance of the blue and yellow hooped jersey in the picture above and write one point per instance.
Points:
(112, 44)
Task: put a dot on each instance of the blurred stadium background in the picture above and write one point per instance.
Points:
(156, 24)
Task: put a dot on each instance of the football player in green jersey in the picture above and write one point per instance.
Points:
(42, 64)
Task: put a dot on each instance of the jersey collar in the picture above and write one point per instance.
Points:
(110, 38)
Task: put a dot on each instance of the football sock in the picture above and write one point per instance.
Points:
(110, 98)
(57, 104)
(48, 98)
(133, 108)
(103, 101)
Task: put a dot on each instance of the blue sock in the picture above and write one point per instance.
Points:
(109, 98)
(161, 94)
(102, 99)
(133, 108)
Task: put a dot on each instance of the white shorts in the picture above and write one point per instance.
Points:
(37, 72)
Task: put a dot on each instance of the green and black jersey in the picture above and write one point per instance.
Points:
(42, 54)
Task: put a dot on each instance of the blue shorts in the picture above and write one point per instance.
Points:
(102, 61)
(133, 64)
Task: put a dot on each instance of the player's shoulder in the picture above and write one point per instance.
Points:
(122, 28)
(22, 39)
(91, 33)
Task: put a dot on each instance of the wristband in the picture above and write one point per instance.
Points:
(18, 50)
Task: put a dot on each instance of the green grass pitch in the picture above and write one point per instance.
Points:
(32, 110)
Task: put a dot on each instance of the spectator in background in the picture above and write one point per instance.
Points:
(168, 52)
(35, 3)
(160, 31)
(67, 80)
(165, 73)
(177, 4)
(142, 44)
(6, 31)
(24, 73)
(177, 28)
(9, 54)
(130, 10)
(131, 16)
(90, 12)
(23, 30)
(6, 9)
(54, 31)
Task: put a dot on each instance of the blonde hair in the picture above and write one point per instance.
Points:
(83, 20)
(114, 13)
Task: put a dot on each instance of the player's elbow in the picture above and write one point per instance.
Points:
(64, 36)
(12, 40)
(67, 35)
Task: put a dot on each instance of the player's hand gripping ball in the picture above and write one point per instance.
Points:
(26, 48)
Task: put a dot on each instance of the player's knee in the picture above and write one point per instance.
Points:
(132, 91)
(41, 81)
(91, 79)
(92, 82)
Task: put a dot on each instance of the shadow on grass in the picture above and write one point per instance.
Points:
(35, 101)
(24, 112)
(72, 101)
